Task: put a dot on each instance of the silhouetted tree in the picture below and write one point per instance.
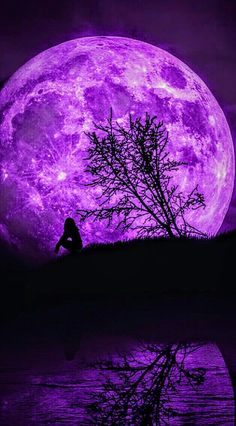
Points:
(137, 386)
(133, 168)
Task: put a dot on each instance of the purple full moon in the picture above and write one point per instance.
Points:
(50, 102)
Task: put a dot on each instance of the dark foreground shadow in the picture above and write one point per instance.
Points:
(166, 291)
(139, 267)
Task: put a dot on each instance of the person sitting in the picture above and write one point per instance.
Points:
(71, 239)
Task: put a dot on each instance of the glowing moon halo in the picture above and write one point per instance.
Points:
(50, 102)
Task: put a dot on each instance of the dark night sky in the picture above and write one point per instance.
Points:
(200, 33)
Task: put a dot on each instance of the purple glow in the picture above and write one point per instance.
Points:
(41, 387)
(54, 98)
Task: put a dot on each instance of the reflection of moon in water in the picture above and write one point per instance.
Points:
(54, 98)
(63, 390)
(213, 402)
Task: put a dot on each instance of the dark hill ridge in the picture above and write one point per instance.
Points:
(136, 268)
(139, 266)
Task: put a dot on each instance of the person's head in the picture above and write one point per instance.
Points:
(69, 224)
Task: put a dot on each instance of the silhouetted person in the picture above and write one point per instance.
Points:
(71, 239)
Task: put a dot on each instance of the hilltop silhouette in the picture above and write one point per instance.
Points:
(148, 266)
(132, 268)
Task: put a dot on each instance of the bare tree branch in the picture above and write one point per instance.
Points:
(132, 165)
(137, 386)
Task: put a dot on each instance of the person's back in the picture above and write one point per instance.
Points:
(75, 236)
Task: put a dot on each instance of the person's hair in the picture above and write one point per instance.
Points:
(69, 223)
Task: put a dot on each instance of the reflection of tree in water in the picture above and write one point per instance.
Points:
(137, 385)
